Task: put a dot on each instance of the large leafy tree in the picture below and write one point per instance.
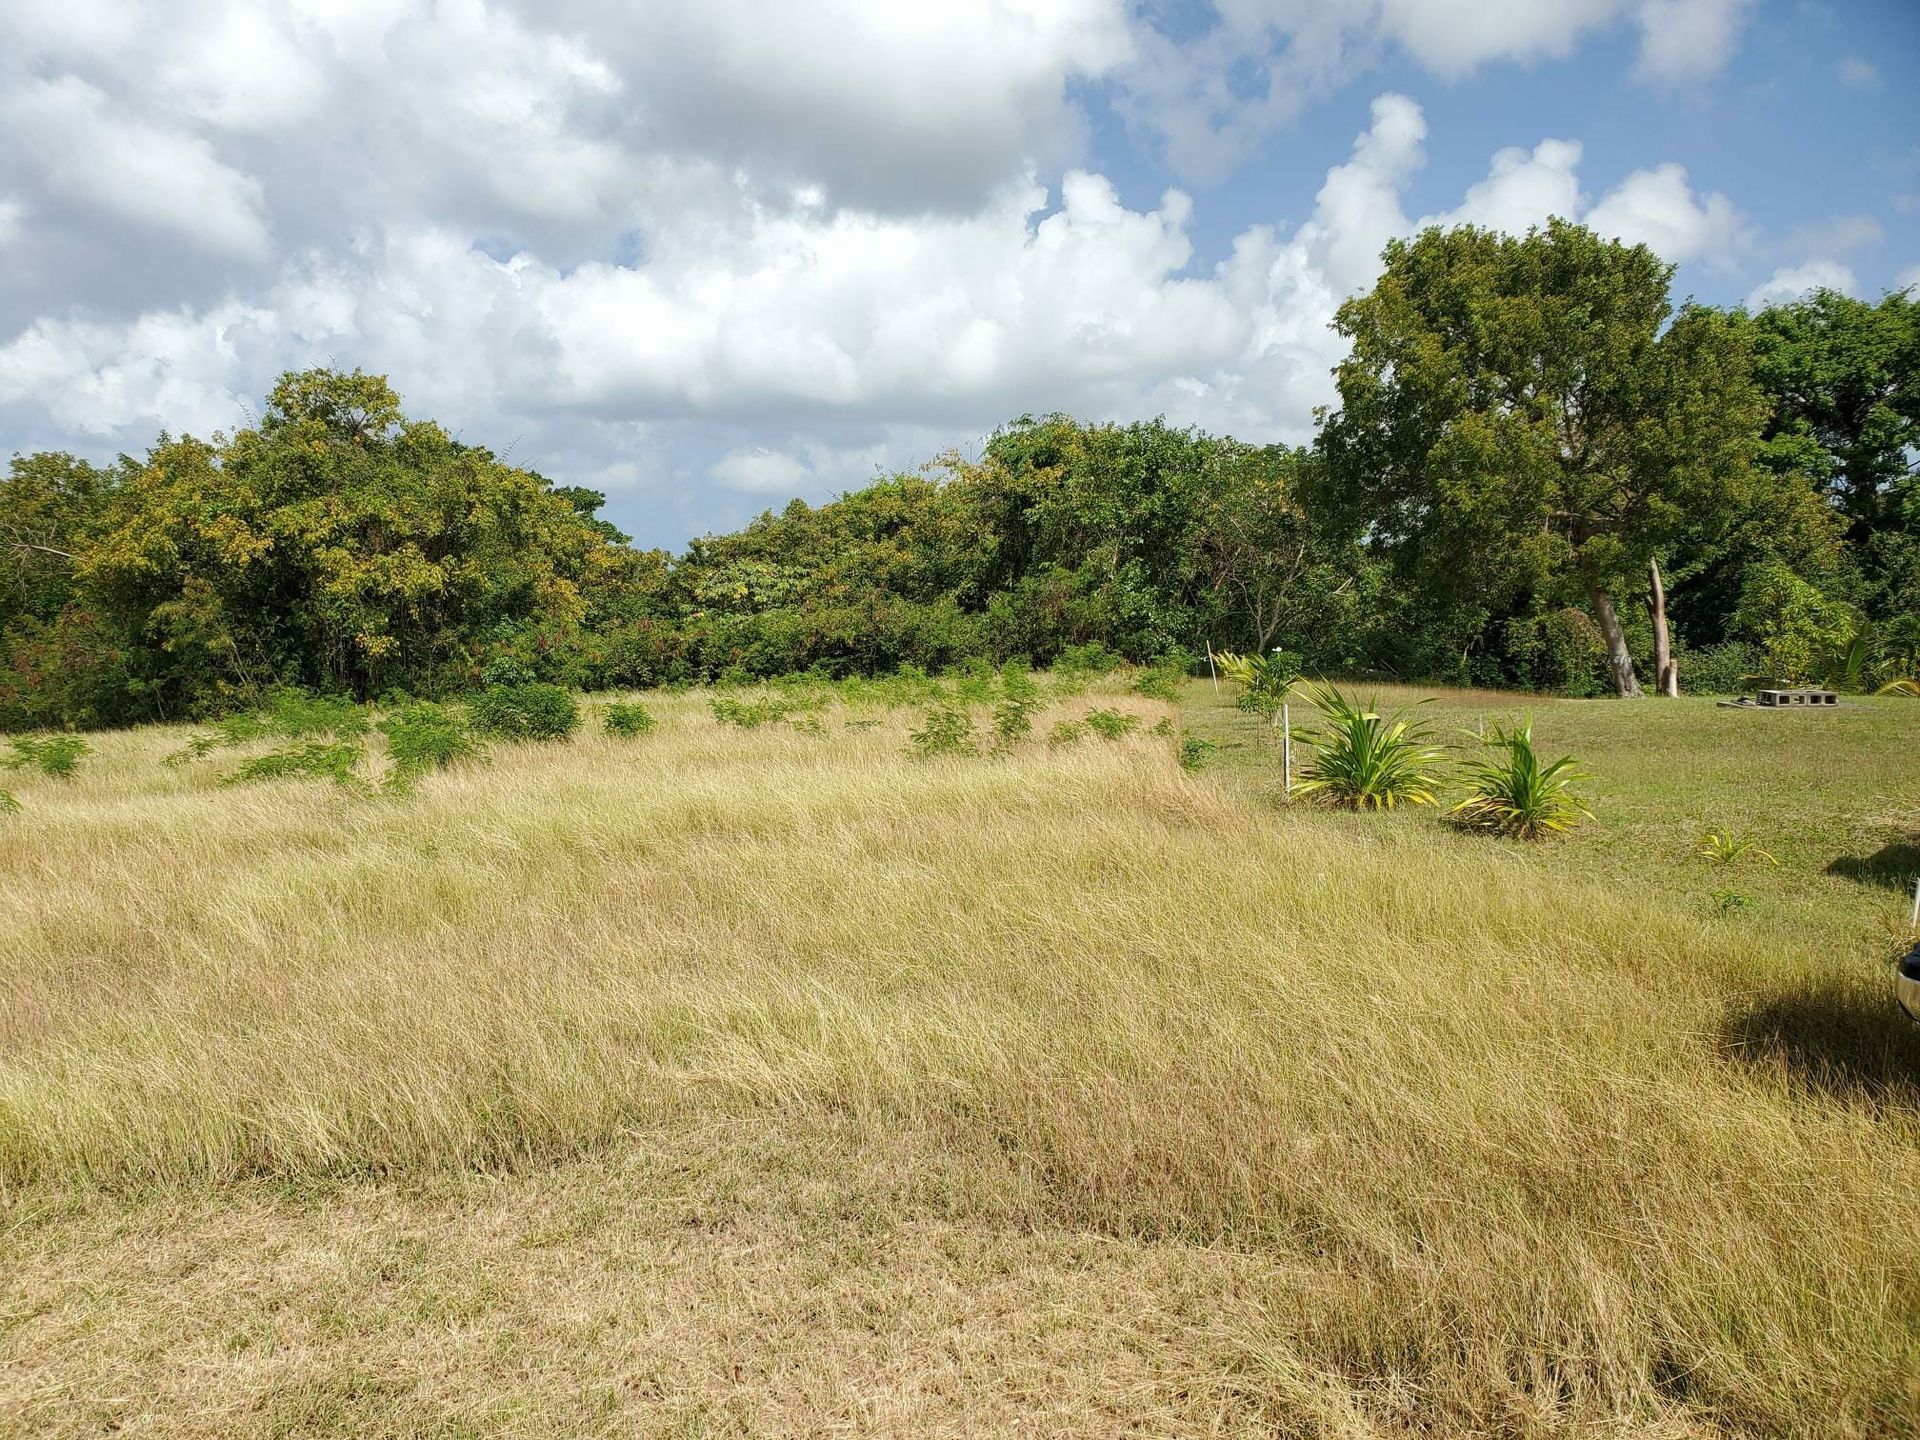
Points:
(1529, 415)
(338, 546)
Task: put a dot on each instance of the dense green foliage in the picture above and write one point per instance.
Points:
(626, 718)
(533, 710)
(423, 737)
(1524, 425)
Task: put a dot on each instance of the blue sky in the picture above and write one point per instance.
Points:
(709, 258)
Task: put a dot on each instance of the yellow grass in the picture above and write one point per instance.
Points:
(759, 1082)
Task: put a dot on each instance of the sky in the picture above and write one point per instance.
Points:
(710, 256)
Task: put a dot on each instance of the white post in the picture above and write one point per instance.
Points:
(1286, 755)
(1211, 671)
(1913, 920)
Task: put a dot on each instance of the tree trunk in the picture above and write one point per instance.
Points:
(1619, 661)
(1666, 675)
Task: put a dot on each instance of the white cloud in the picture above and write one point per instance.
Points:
(1523, 188)
(1683, 40)
(1794, 281)
(1858, 74)
(1210, 99)
(1835, 236)
(12, 217)
(87, 148)
(1659, 209)
(814, 339)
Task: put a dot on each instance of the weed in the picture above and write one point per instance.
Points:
(1112, 724)
(1724, 846)
(56, 756)
(423, 737)
(311, 760)
(626, 718)
(1160, 682)
(8, 805)
(1163, 727)
(1195, 752)
(1067, 732)
(947, 730)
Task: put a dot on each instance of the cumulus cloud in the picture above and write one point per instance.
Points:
(1795, 281)
(1682, 40)
(84, 147)
(1659, 208)
(1858, 74)
(1211, 98)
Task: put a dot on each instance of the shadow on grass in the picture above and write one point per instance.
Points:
(1894, 865)
(1843, 1036)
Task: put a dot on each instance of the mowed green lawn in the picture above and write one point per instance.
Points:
(770, 1082)
(1832, 796)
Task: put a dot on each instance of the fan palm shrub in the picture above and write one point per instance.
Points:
(1363, 760)
(1512, 792)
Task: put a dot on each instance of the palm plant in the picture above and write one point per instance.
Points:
(1724, 847)
(1363, 760)
(1264, 680)
(1512, 793)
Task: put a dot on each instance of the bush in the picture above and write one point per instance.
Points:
(1092, 658)
(626, 718)
(947, 730)
(1363, 760)
(1728, 668)
(423, 737)
(769, 709)
(8, 805)
(56, 756)
(1195, 752)
(1265, 680)
(314, 760)
(1161, 682)
(1112, 724)
(1515, 795)
(524, 712)
(1067, 732)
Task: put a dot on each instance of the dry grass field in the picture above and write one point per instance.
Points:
(728, 1082)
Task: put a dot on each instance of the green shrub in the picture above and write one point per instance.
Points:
(1161, 682)
(524, 712)
(769, 709)
(56, 756)
(1724, 669)
(946, 730)
(1515, 794)
(1092, 658)
(1067, 732)
(1363, 760)
(312, 760)
(1195, 752)
(285, 714)
(1265, 681)
(1112, 724)
(1163, 727)
(626, 718)
(8, 805)
(423, 737)
(300, 716)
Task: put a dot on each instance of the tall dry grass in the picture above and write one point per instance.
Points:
(1518, 1154)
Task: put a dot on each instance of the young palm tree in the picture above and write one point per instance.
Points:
(1513, 793)
(1363, 760)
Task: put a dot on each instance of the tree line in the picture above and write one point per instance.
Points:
(1532, 441)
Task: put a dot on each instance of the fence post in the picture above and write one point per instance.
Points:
(1286, 757)
(1211, 671)
(1913, 920)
